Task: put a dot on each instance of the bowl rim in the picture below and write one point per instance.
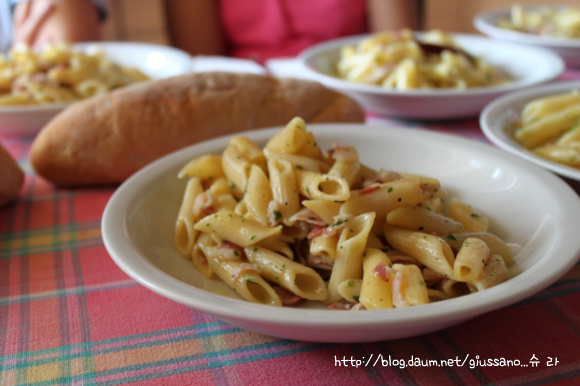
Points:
(490, 114)
(556, 64)
(118, 244)
(484, 22)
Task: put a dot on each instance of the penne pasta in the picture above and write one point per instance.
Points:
(389, 196)
(470, 259)
(326, 187)
(496, 245)
(429, 250)
(423, 220)
(258, 196)
(246, 281)
(349, 253)
(494, 272)
(549, 127)
(472, 219)
(376, 289)
(297, 278)
(345, 235)
(206, 168)
(285, 198)
(406, 61)
(185, 234)
(226, 225)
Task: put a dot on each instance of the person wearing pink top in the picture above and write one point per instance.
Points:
(264, 29)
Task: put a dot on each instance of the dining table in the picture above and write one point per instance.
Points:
(70, 316)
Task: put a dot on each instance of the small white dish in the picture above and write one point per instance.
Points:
(205, 63)
(496, 117)
(155, 61)
(528, 66)
(568, 49)
(139, 220)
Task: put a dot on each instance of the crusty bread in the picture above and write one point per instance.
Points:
(105, 139)
(11, 177)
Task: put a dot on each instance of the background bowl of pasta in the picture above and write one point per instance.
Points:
(38, 100)
(139, 223)
(553, 27)
(541, 125)
(524, 65)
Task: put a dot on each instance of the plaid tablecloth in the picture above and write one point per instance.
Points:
(70, 316)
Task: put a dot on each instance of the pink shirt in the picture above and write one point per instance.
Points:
(263, 29)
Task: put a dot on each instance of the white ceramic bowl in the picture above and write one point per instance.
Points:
(139, 220)
(528, 65)
(496, 117)
(156, 61)
(568, 49)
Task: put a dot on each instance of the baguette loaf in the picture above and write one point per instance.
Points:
(11, 177)
(105, 139)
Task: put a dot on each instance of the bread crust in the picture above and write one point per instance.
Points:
(11, 177)
(105, 139)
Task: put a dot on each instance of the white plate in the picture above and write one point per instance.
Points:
(497, 115)
(138, 225)
(528, 65)
(205, 63)
(156, 61)
(568, 49)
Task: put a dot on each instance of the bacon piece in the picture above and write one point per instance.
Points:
(346, 307)
(339, 306)
(358, 307)
(317, 231)
(308, 216)
(343, 153)
(225, 251)
(370, 188)
(288, 298)
(382, 271)
(203, 204)
(317, 261)
(340, 222)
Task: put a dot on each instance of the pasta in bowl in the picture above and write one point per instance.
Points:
(556, 28)
(541, 125)
(289, 223)
(139, 231)
(403, 61)
(561, 22)
(35, 86)
(440, 76)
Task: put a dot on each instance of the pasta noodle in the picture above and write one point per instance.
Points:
(282, 235)
(59, 74)
(404, 62)
(550, 127)
(559, 22)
